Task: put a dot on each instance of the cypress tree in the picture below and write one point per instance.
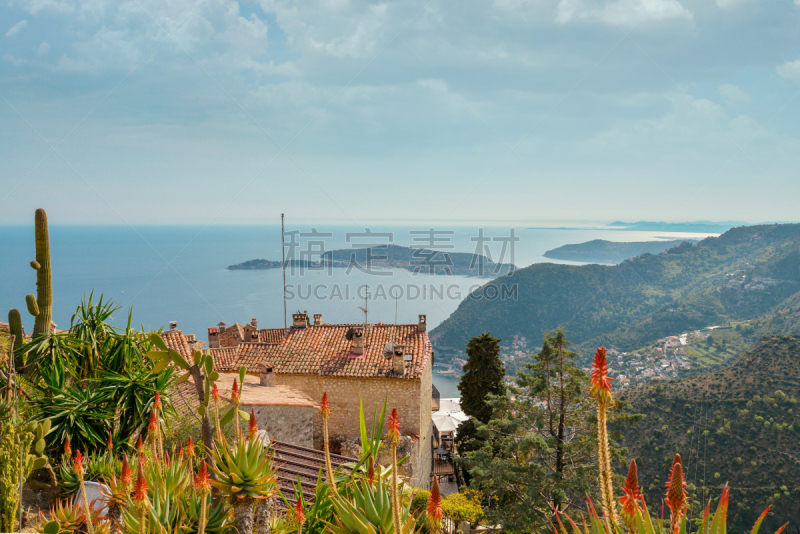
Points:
(483, 374)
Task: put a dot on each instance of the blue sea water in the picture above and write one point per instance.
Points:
(178, 273)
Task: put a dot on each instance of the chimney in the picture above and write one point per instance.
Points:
(254, 322)
(422, 325)
(221, 326)
(173, 326)
(213, 337)
(358, 341)
(317, 319)
(399, 360)
(299, 320)
(266, 376)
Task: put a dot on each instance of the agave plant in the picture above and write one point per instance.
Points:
(165, 500)
(244, 474)
(64, 517)
(368, 508)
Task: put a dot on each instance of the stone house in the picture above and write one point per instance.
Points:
(353, 363)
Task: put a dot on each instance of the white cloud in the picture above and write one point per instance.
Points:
(732, 95)
(16, 28)
(43, 49)
(790, 70)
(725, 4)
(621, 12)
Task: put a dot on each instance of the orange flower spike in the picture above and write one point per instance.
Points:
(235, 391)
(139, 445)
(78, 462)
(152, 425)
(180, 452)
(600, 385)
(140, 488)
(142, 459)
(215, 392)
(110, 443)
(676, 499)
(126, 477)
(67, 448)
(326, 408)
(190, 448)
(299, 512)
(631, 494)
(394, 427)
(252, 428)
(435, 503)
(157, 402)
(202, 482)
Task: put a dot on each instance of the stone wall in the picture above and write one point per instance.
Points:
(411, 397)
(288, 424)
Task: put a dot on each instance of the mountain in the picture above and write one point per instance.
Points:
(392, 256)
(739, 425)
(743, 273)
(609, 252)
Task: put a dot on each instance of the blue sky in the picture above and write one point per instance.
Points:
(217, 111)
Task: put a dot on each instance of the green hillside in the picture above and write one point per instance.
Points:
(739, 275)
(739, 425)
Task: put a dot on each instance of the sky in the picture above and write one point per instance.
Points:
(218, 111)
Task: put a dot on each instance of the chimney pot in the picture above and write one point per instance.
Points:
(254, 322)
(299, 320)
(173, 326)
(213, 338)
(317, 319)
(358, 341)
(399, 363)
(266, 377)
(422, 326)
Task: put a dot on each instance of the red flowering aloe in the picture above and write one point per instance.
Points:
(67, 448)
(140, 492)
(125, 475)
(215, 392)
(235, 391)
(140, 445)
(326, 408)
(78, 463)
(157, 402)
(394, 428)
(202, 480)
(600, 385)
(252, 427)
(110, 443)
(632, 496)
(677, 497)
(434, 518)
(190, 448)
(299, 512)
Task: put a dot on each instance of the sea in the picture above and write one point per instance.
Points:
(160, 274)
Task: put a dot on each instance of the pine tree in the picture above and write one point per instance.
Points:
(483, 374)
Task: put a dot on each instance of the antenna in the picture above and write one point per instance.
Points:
(283, 265)
(365, 309)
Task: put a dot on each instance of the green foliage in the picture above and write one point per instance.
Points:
(243, 471)
(483, 376)
(367, 509)
(537, 452)
(15, 436)
(728, 415)
(463, 507)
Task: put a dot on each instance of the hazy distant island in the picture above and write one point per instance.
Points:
(703, 227)
(609, 252)
(439, 262)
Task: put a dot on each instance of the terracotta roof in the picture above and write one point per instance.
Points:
(254, 394)
(232, 335)
(324, 350)
(272, 336)
(177, 342)
(224, 358)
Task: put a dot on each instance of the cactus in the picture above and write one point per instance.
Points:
(15, 328)
(44, 289)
